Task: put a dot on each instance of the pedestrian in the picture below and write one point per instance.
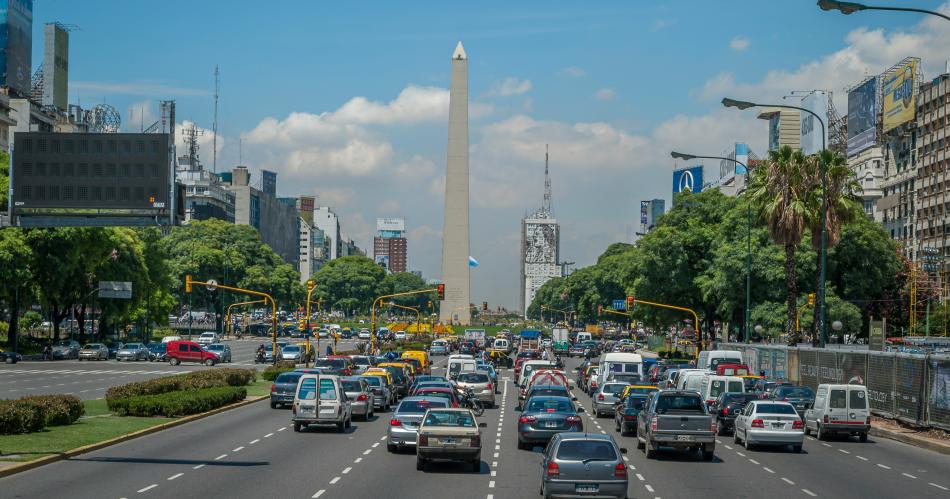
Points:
(329, 350)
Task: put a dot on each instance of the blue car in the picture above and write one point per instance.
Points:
(439, 347)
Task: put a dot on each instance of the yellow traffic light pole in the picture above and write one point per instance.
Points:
(702, 342)
(311, 285)
(377, 301)
(565, 312)
(227, 316)
(414, 309)
(213, 286)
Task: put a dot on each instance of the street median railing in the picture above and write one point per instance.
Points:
(908, 387)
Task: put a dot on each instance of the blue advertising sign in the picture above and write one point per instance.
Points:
(620, 304)
(690, 179)
(862, 116)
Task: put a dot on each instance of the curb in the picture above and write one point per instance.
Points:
(29, 465)
(911, 439)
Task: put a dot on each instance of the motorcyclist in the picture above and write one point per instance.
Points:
(47, 352)
(260, 353)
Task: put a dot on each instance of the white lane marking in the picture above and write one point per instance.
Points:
(647, 486)
(174, 476)
(826, 445)
(334, 480)
(367, 451)
(786, 480)
(604, 432)
(640, 477)
(842, 450)
(909, 475)
(490, 496)
(347, 470)
(146, 489)
(809, 492)
(810, 438)
(494, 473)
(768, 469)
(281, 429)
(625, 458)
(496, 455)
(357, 460)
(941, 487)
(632, 467)
(497, 447)
(718, 441)
(883, 466)
(376, 445)
(494, 464)
(753, 461)
(491, 484)
(741, 454)
(729, 447)
(382, 438)
(252, 442)
(239, 449)
(198, 467)
(222, 456)
(861, 458)
(318, 494)
(269, 435)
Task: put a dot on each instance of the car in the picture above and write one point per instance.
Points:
(606, 397)
(362, 362)
(415, 365)
(292, 353)
(382, 392)
(542, 389)
(132, 351)
(283, 389)
(333, 407)
(422, 356)
(94, 351)
(157, 352)
(341, 366)
(425, 378)
(449, 434)
(481, 385)
(626, 411)
(207, 338)
(222, 350)
(576, 350)
(10, 357)
(629, 378)
(114, 347)
(678, 419)
(727, 406)
(400, 335)
(429, 384)
(769, 422)
(66, 349)
(583, 465)
(364, 334)
(839, 409)
(404, 424)
(189, 351)
(490, 371)
(360, 394)
(640, 389)
(763, 387)
(439, 392)
(544, 416)
(802, 397)
(439, 347)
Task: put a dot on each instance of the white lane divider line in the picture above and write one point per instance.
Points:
(239, 449)
(269, 435)
(729, 447)
(741, 454)
(334, 480)
(768, 469)
(908, 475)
(146, 489)
(174, 476)
(861, 458)
(252, 442)
(367, 451)
(625, 458)
(786, 480)
(347, 469)
(941, 487)
(281, 429)
(883, 466)
(640, 477)
(842, 450)
(318, 494)
(496, 455)
(494, 473)
(826, 445)
(375, 445)
(809, 492)
(222, 456)
(382, 438)
(647, 486)
(198, 467)
(357, 461)
(753, 461)
(718, 441)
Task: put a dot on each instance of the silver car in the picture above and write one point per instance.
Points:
(480, 384)
(769, 422)
(382, 394)
(606, 397)
(357, 389)
(293, 353)
(404, 425)
(221, 350)
(583, 465)
(94, 351)
(132, 351)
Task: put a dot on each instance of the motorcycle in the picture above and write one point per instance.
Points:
(470, 401)
(260, 357)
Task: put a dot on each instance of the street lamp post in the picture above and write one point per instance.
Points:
(847, 8)
(748, 260)
(823, 252)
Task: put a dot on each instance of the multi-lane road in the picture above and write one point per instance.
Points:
(253, 452)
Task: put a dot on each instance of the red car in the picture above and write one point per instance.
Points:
(188, 351)
(440, 392)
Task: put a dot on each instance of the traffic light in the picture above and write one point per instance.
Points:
(600, 309)
(630, 301)
(310, 284)
(440, 291)
(187, 283)
(811, 299)
(485, 305)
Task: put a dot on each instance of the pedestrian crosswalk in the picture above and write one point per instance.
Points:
(81, 371)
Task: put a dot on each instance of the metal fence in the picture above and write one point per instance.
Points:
(909, 387)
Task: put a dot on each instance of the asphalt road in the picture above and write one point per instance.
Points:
(253, 452)
(91, 379)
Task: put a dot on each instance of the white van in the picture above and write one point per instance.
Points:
(457, 366)
(709, 359)
(500, 344)
(839, 409)
(582, 336)
(331, 407)
(714, 385)
(620, 362)
(692, 381)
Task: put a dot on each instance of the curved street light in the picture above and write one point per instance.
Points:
(848, 8)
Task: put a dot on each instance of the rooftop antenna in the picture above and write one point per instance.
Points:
(214, 126)
(241, 150)
(546, 205)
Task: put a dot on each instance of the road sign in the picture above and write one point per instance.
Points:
(211, 285)
(620, 305)
(121, 290)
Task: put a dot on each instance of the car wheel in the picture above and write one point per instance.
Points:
(863, 437)
(708, 455)
(174, 361)
(340, 427)
(392, 448)
(296, 426)
(640, 445)
(745, 443)
(79, 360)
(807, 430)
(821, 434)
(420, 463)
(273, 405)
(209, 362)
(617, 426)
(735, 437)
(650, 450)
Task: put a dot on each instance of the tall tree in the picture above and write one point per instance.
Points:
(349, 284)
(15, 258)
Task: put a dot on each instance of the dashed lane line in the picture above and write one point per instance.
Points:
(861, 458)
(649, 489)
(334, 480)
(174, 476)
(908, 475)
(318, 494)
(809, 492)
(347, 469)
(239, 449)
(941, 487)
(768, 469)
(786, 480)
(198, 467)
(844, 451)
(753, 461)
(222, 456)
(269, 435)
(883, 466)
(146, 489)
(640, 477)
(357, 460)
(252, 442)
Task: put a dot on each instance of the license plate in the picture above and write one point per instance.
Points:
(684, 438)
(550, 424)
(448, 441)
(586, 488)
(778, 425)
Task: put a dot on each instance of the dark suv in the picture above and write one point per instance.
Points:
(727, 406)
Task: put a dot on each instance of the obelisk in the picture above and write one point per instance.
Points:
(455, 250)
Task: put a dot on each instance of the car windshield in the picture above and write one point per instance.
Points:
(334, 363)
(435, 393)
(214, 347)
(450, 418)
(288, 378)
(636, 401)
(64, 343)
(775, 409)
(679, 403)
(794, 391)
(549, 390)
(419, 406)
(473, 378)
(362, 361)
(92, 346)
(737, 398)
(373, 380)
(291, 348)
(133, 346)
(552, 404)
(586, 450)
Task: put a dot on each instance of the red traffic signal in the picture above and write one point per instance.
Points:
(440, 291)
(630, 301)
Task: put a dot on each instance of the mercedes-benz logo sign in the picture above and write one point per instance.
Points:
(686, 181)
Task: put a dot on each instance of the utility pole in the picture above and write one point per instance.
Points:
(214, 126)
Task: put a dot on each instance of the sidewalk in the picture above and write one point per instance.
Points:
(935, 440)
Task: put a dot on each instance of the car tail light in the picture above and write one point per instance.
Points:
(628, 417)
(868, 420)
(654, 422)
(491, 387)
(423, 440)
(600, 396)
(798, 425)
(395, 422)
(361, 397)
(725, 411)
(825, 419)
(527, 419)
(273, 388)
(573, 419)
(714, 426)
(758, 423)
(553, 469)
(620, 470)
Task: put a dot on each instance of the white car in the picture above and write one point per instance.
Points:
(769, 422)
(400, 335)
(364, 334)
(207, 338)
(292, 352)
(547, 342)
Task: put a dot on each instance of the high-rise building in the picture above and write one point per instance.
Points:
(326, 220)
(650, 212)
(314, 247)
(784, 127)
(540, 247)
(16, 51)
(455, 231)
(276, 220)
(55, 66)
(269, 182)
(389, 245)
(933, 180)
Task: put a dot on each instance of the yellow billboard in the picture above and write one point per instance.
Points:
(900, 95)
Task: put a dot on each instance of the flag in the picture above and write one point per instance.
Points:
(472, 262)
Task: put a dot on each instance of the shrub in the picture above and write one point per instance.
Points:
(229, 376)
(180, 382)
(20, 417)
(271, 372)
(57, 410)
(180, 403)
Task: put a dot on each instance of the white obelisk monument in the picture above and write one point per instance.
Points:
(455, 250)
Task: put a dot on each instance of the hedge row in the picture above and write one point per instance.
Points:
(182, 403)
(218, 377)
(270, 373)
(33, 413)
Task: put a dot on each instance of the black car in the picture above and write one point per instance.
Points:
(801, 397)
(114, 347)
(10, 357)
(626, 412)
(467, 349)
(157, 352)
(284, 388)
(727, 406)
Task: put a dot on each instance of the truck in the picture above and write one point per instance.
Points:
(530, 339)
(678, 419)
(562, 340)
(476, 335)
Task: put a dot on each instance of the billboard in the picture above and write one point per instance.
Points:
(382, 261)
(55, 66)
(91, 179)
(814, 135)
(689, 179)
(899, 94)
(16, 44)
(391, 224)
(644, 207)
(862, 116)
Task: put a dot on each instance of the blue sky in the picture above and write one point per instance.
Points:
(347, 100)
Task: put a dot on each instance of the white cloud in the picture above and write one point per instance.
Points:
(334, 196)
(139, 115)
(418, 165)
(511, 86)
(414, 104)
(739, 43)
(205, 142)
(388, 206)
(605, 94)
(573, 72)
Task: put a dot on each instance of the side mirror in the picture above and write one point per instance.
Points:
(623, 450)
(483, 425)
(580, 408)
(574, 398)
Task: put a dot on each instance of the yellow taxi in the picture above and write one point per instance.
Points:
(641, 389)
(422, 356)
(408, 371)
(379, 372)
(749, 381)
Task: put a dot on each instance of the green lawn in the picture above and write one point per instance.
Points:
(258, 388)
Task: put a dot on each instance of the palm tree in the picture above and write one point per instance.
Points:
(779, 189)
(843, 207)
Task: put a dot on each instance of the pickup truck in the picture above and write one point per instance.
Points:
(678, 419)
